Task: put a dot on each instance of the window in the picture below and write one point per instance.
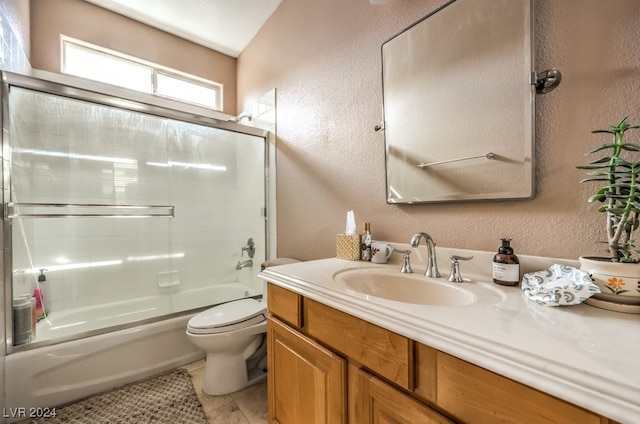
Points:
(89, 61)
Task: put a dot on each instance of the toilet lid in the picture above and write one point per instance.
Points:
(228, 317)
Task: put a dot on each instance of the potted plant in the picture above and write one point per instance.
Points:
(618, 173)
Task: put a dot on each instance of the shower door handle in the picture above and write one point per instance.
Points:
(75, 210)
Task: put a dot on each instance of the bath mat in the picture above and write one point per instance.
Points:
(167, 398)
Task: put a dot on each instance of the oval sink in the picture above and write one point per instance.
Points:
(407, 288)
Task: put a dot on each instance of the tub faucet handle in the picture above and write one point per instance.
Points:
(250, 248)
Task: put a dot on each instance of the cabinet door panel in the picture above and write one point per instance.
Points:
(306, 383)
(473, 394)
(372, 401)
(425, 369)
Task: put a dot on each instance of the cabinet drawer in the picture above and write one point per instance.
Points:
(285, 304)
(473, 394)
(383, 352)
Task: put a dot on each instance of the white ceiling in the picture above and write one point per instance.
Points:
(223, 25)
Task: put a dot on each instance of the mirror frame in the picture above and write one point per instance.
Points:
(510, 174)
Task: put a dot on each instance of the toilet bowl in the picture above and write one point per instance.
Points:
(234, 337)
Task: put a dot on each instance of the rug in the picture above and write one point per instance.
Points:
(167, 398)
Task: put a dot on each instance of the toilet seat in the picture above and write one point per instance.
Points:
(228, 317)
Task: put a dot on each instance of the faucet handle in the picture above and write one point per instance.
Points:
(250, 248)
(454, 275)
(406, 264)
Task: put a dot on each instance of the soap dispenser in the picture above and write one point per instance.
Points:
(506, 266)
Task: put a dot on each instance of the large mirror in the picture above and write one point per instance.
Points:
(459, 104)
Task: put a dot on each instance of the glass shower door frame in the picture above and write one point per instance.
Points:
(132, 101)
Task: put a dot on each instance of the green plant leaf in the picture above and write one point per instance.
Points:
(619, 189)
(602, 147)
(616, 211)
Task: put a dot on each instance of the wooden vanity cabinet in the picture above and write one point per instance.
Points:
(326, 366)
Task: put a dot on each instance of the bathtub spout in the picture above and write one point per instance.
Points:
(244, 264)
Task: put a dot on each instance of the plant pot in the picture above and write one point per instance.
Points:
(619, 284)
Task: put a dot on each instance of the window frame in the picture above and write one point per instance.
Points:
(154, 68)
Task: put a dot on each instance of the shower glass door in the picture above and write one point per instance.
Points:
(117, 216)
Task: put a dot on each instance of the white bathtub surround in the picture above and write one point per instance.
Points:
(582, 354)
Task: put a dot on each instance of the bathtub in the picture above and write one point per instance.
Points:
(68, 323)
(55, 374)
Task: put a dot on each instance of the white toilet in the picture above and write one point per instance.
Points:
(234, 336)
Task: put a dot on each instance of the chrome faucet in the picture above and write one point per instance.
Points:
(244, 264)
(432, 264)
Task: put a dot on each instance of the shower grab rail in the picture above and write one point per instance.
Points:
(163, 211)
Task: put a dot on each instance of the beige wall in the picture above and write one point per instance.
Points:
(87, 22)
(324, 60)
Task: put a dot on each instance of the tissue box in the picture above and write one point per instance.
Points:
(348, 247)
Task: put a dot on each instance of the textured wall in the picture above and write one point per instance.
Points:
(324, 60)
(87, 22)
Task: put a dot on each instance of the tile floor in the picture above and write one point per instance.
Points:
(248, 406)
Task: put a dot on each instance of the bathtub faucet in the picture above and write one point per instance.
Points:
(244, 264)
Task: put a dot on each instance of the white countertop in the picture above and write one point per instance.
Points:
(585, 355)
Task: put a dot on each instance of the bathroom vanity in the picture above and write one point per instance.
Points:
(341, 349)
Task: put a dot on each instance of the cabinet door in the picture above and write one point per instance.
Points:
(306, 382)
(473, 394)
(373, 401)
